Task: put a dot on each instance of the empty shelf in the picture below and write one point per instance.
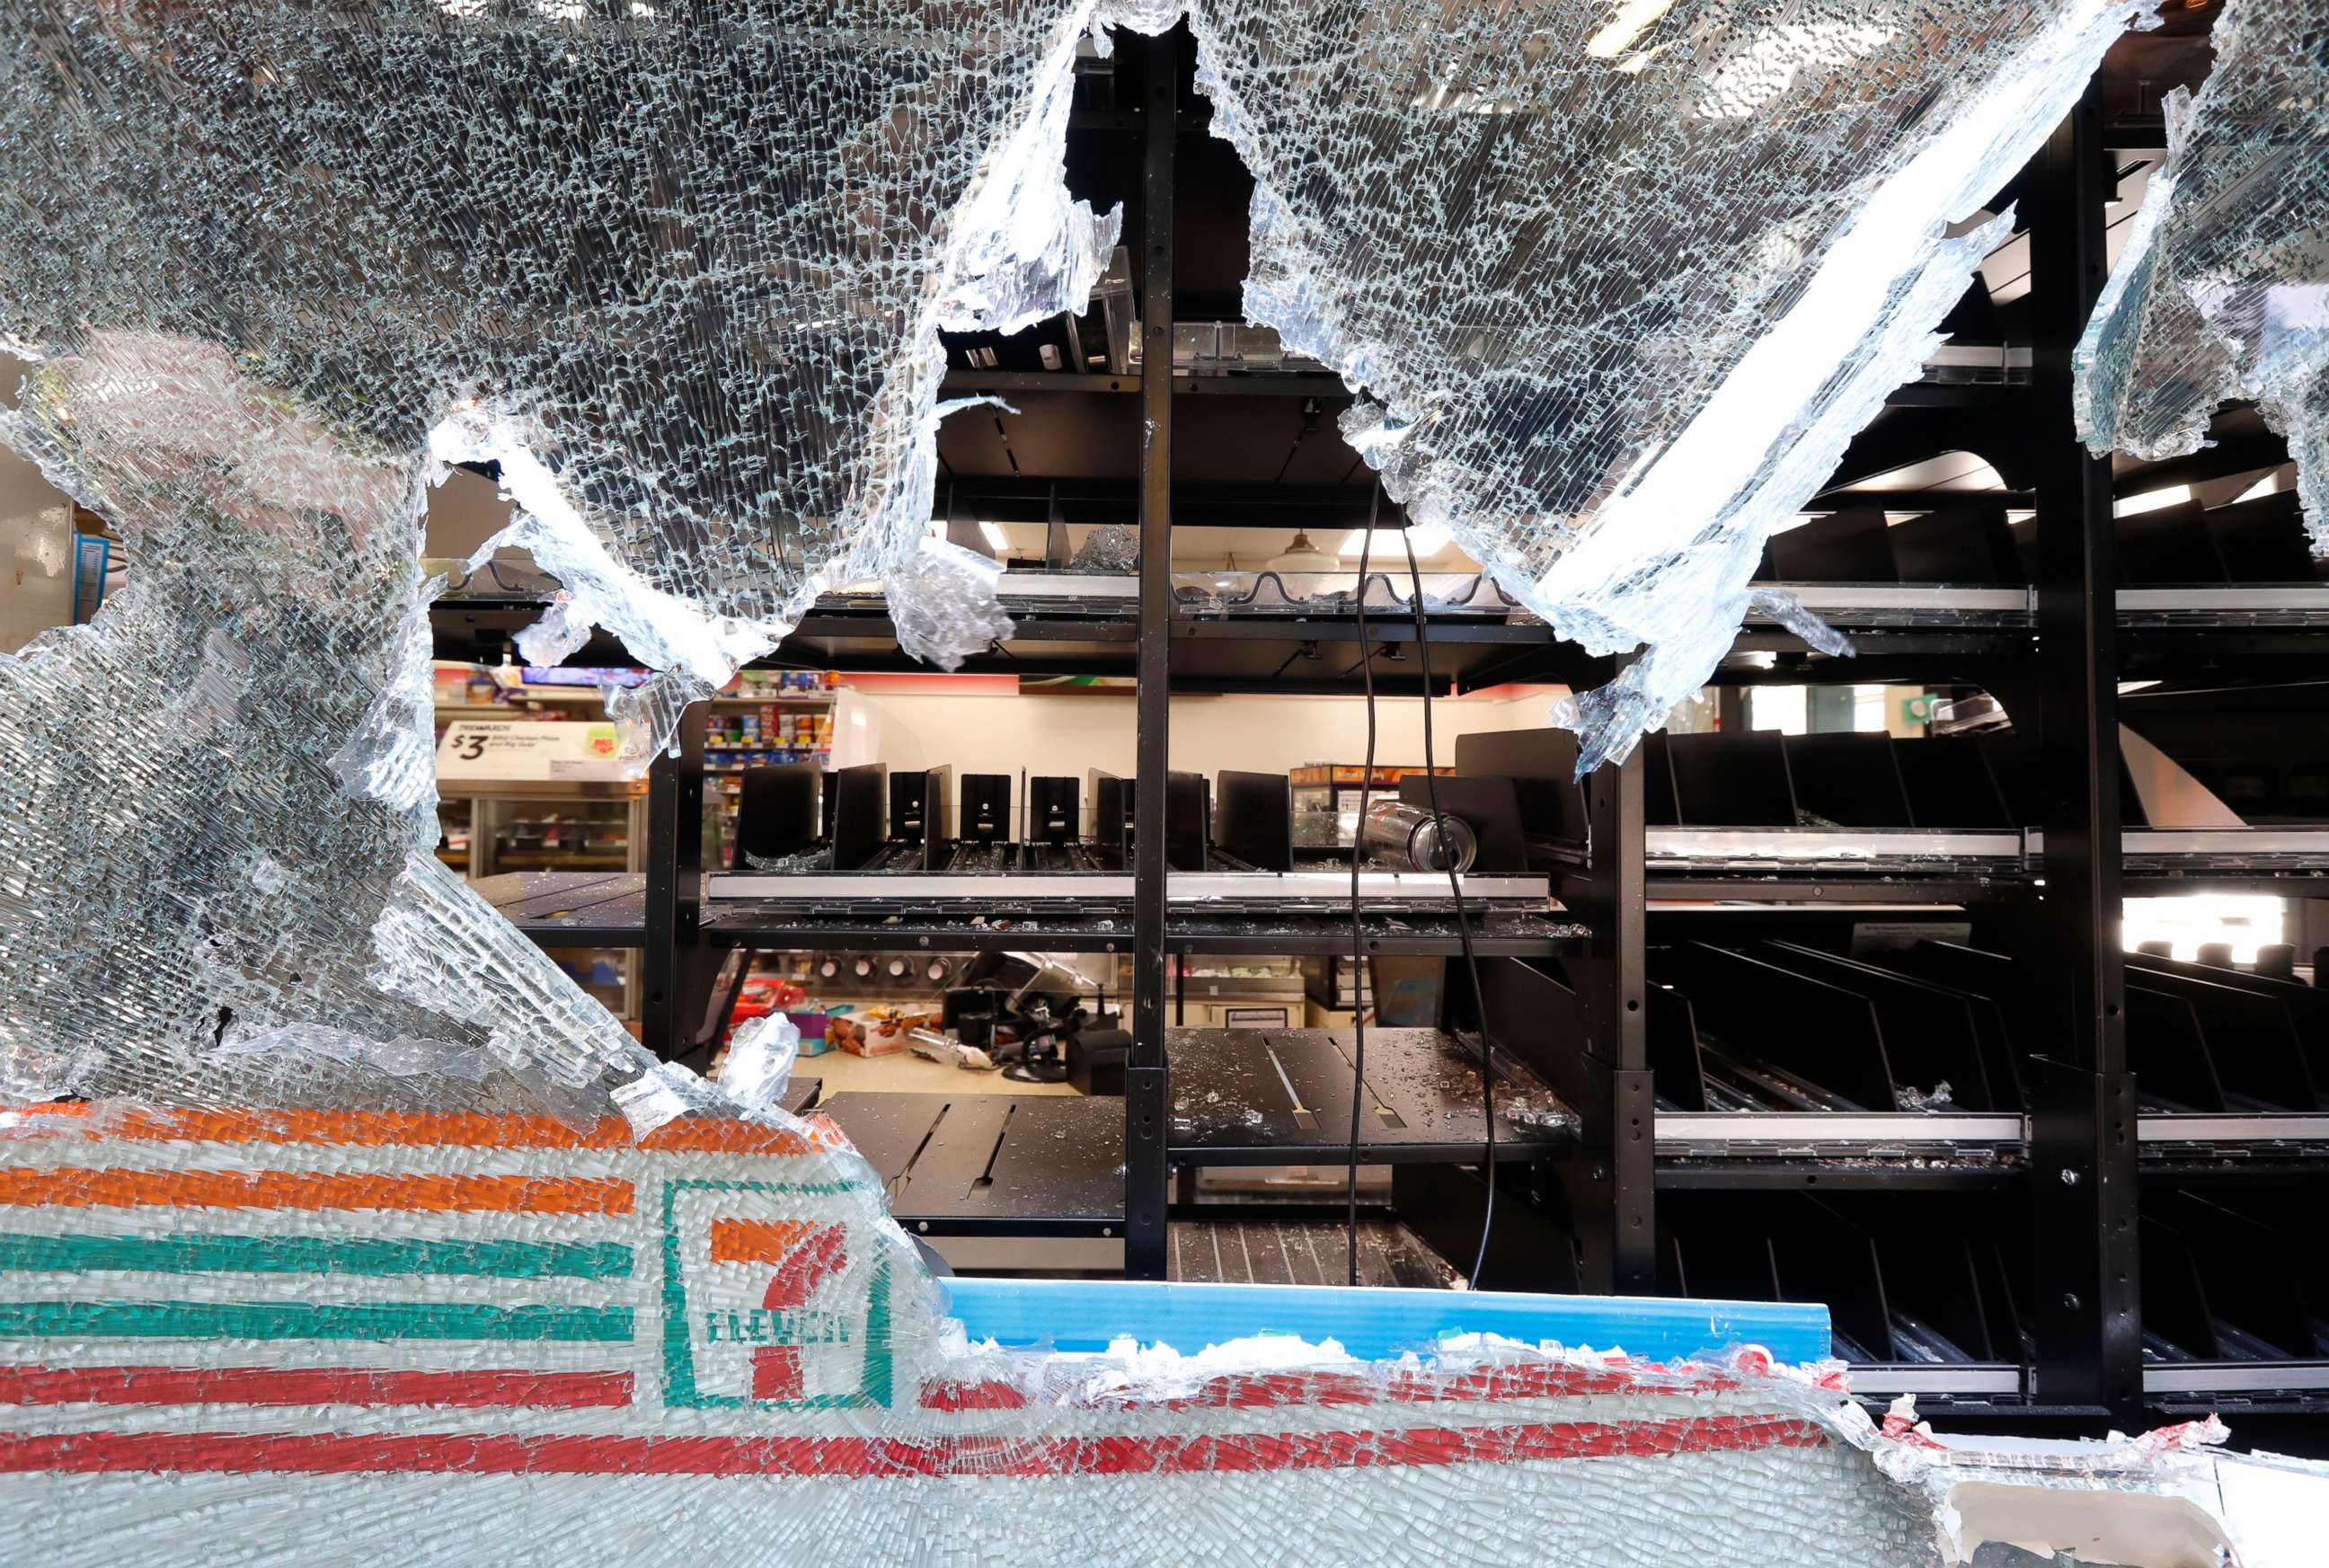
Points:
(992, 1163)
(1283, 1252)
(1279, 1096)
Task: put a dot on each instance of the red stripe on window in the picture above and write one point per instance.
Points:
(238, 1453)
(777, 1372)
(993, 1394)
(311, 1385)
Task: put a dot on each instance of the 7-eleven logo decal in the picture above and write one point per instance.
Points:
(767, 1304)
(802, 1254)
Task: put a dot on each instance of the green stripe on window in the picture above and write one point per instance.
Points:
(195, 1253)
(302, 1320)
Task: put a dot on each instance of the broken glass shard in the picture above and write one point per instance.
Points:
(2223, 289)
(1619, 289)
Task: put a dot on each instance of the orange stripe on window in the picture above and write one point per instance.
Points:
(375, 1128)
(278, 1189)
(756, 1240)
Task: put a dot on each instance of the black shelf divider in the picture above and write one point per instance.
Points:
(1147, 1098)
(674, 975)
(1606, 1076)
(2087, 1312)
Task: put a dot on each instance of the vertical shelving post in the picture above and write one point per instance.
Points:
(2083, 1124)
(1147, 1100)
(674, 892)
(1610, 1186)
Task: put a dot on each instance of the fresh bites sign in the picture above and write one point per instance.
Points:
(768, 1303)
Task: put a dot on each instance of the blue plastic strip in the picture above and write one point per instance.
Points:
(1373, 1325)
(82, 544)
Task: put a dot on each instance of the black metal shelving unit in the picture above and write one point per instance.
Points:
(2100, 1255)
(1996, 1259)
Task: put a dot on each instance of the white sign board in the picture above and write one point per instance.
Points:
(518, 750)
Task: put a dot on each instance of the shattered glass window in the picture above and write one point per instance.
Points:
(1620, 289)
(678, 270)
(348, 1217)
(2222, 290)
(1618, 296)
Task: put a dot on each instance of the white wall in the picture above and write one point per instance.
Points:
(36, 553)
(982, 729)
(464, 512)
(1270, 735)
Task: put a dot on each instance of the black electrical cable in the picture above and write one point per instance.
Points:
(1463, 921)
(1358, 936)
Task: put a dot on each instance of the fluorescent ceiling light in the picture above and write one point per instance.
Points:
(995, 537)
(2269, 485)
(1632, 19)
(2152, 501)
